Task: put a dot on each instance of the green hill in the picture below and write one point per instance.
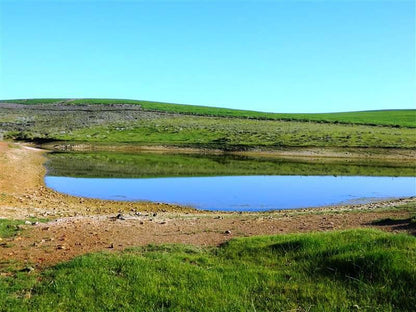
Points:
(152, 123)
(397, 118)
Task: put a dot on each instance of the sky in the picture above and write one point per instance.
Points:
(276, 56)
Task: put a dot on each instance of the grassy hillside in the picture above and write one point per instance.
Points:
(399, 118)
(78, 121)
(150, 123)
(364, 270)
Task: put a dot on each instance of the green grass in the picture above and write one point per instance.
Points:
(399, 118)
(180, 125)
(404, 118)
(335, 271)
(9, 228)
(240, 134)
(34, 101)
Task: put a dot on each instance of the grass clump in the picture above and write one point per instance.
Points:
(337, 271)
(9, 228)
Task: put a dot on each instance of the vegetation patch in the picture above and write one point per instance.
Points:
(9, 228)
(121, 122)
(408, 224)
(335, 271)
(397, 118)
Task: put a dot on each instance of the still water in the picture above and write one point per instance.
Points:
(240, 193)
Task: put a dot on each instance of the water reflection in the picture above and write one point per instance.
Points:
(135, 165)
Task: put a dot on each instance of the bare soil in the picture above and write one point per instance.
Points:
(80, 225)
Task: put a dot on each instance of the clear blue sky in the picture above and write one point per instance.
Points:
(281, 56)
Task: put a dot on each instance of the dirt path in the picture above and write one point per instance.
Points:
(83, 225)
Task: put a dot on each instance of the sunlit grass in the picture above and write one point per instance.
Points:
(401, 118)
(336, 271)
(150, 123)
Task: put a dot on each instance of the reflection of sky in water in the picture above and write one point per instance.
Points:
(241, 193)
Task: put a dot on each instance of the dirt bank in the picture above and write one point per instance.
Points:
(23, 192)
(306, 153)
(79, 225)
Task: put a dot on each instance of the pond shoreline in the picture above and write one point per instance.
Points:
(387, 154)
(24, 192)
(78, 225)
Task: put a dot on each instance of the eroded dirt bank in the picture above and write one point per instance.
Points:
(78, 226)
(23, 192)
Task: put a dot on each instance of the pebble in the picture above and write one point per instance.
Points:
(120, 217)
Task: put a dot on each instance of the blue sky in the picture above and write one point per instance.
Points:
(280, 56)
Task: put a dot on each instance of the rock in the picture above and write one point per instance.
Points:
(228, 232)
(155, 214)
(27, 269)
(120, 217)
(28, 223)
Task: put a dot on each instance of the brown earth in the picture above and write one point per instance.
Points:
(23, 192)
(82, 225)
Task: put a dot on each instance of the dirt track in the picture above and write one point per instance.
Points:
(83, 225)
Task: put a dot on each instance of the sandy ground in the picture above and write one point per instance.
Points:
(78, 226)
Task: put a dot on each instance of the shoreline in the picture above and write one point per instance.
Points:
(312, 153)
(32, 191)
(76, 226)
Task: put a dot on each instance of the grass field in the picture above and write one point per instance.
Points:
(399, 118)
(81, 121)
(364, 270)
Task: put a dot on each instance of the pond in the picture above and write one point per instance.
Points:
(227, 183)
